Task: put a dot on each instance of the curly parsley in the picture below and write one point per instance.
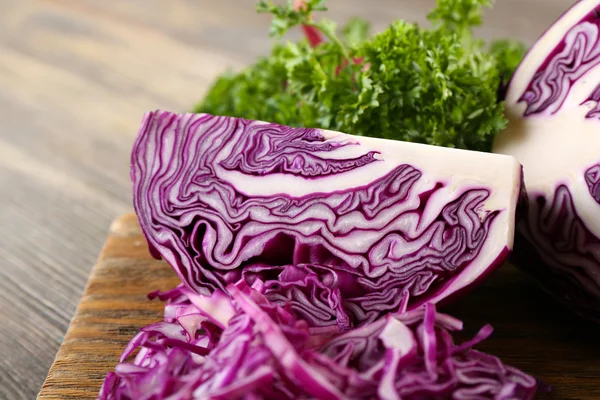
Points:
(437, 86)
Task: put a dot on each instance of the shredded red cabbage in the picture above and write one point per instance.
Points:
(247, 347)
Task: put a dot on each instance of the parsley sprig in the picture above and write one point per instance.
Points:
(437, 86)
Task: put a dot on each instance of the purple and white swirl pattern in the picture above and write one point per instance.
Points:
(592, 179)
(595, 98)
(339, 257)
(576, 55)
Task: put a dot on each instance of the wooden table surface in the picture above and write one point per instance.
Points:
(529, 333)
(75, 78)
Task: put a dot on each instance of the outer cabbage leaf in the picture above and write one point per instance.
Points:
(344, 228)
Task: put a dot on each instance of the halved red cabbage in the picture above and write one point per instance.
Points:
(263, 352)
(554, 131)
(343, 228)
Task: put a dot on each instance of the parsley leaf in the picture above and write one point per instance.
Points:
(356, 31)
(508, 55)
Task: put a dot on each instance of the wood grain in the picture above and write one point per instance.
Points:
(113, 308)
(530, 332)
(76, 77)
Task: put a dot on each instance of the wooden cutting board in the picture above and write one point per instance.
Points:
(531, 332)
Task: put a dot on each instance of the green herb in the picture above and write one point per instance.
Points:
(508, 55)
(458, 16)
(437, 86)
(356, 31)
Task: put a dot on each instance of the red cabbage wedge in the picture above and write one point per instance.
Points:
(552, 103)
(342, 228)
